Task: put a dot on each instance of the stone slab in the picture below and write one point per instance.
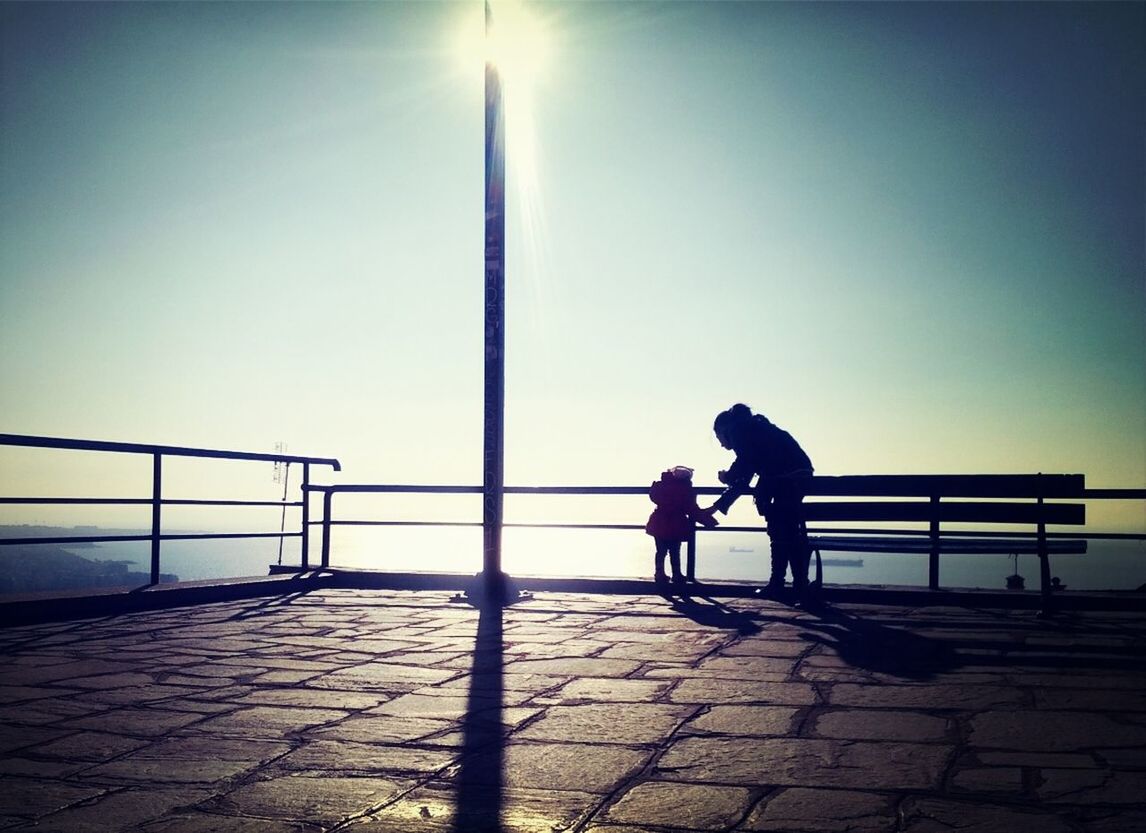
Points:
(805, 762)
(692, 806)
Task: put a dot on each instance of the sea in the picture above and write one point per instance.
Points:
(1108, 564)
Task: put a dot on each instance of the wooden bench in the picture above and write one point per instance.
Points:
(935, 502)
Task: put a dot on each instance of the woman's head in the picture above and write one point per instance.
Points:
(728, 424)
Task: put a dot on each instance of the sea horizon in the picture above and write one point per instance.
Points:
(1108, 564)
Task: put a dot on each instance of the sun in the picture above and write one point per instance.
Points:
(509, 37)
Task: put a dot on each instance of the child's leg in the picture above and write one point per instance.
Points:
(674, 560)
(659, 559)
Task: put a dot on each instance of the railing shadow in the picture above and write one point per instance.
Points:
(710, 613)
(480, 781)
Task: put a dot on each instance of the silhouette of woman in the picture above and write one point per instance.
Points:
(782, 467)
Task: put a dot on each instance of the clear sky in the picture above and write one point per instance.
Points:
(910, 233)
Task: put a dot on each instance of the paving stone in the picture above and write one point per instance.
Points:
(989, 779)
(576, 667)
(438, 808)
(31, 798)
(112, 681)
(1077, 786)
(383, 729)
(199, 747)
(134, 722)
(139, 694)
(1052, 731)
(1118, 821)
(933, 815)
(873, 724)
(20, 737)
(118, 812)
(743, 691)
(760, 721)
(965, 698)
(764, 646)
(326, 800)
(269, 721)
(313, 698)
(137, 770)
(1108, 700)
(87, 746)
(211, 823)
(13, 694)
(681, 805)
(555, 766)
(800, 810)
(804, 762)
(1058, 760)
(748, 668)
(608, 690)
(384, 676)
(31, 768)
(625, 723)
(348, 756)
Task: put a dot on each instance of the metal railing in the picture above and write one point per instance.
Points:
(328, 520)
(156, 500)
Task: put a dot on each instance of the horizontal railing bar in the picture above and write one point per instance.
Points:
(209, 535)
(131, 501)
(182, 502)
(70, 539)
(65, 501)
(413, 489)
(397, 523)
(98, 539)
(27, 441)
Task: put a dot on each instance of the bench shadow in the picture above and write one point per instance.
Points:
(481, 779)
(869, 645)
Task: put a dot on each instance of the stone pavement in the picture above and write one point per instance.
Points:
(379, 711)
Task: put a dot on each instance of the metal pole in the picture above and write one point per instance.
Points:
(494, 471)
(156, 506)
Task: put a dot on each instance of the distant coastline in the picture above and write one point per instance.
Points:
(36, 568)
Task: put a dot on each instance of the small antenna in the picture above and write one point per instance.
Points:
(280, 467)
(282, 475)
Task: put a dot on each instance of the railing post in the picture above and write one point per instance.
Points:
(327, 495)
(690, 556)
(1044, 556)
(305, 554)
(933, 558)
(156, 506)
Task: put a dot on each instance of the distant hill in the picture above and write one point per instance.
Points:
(35, 568)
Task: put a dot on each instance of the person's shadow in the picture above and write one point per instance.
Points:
(874, 647)
(713, 614)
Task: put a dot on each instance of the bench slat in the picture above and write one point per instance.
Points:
(950, 485)
(969, 512)
(958, 546)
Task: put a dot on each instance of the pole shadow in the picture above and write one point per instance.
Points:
(481, 778)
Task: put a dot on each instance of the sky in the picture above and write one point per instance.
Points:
(912, 234)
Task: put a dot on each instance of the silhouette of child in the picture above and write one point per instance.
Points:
(674, 519)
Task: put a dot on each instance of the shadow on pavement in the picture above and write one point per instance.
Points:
(713, 614)
(480, 781)
(875, 647)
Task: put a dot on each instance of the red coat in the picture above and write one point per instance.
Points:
(676, 514)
